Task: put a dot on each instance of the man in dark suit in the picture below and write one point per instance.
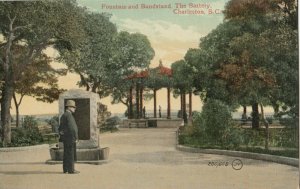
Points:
(69, 136)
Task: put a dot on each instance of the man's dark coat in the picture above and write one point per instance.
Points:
(68, 127)
(69, 135)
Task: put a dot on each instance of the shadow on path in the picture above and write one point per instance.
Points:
(22, 163)
(182, 158)
(29, 172)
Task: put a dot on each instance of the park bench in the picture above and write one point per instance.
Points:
(138, 123)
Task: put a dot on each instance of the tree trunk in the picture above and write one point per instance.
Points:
(94, 88)
(184, 108)
(190, 104)
(276, 109)
(7, 94)
(244, 115)
(169, 104)
(17, 105)
(154, 94)
(17, 111)
(255, 116)
(266, 125)
(8, 88)
(181, 105)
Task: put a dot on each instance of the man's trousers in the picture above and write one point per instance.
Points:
(69, 157)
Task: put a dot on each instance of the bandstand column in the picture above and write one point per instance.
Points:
(154, 94)
(141, 101)
(137, 96)
(130, 103)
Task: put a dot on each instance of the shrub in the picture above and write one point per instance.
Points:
(214, 120)
(232, 137)
(30, 122)
(103, 114)
(26, 137)
(54, 122)
(253, 137)
(28, 134)
(111, 124)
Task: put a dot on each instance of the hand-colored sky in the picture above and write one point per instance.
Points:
(170, 34)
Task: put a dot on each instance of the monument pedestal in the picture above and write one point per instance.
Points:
(88, 148)
(92, 156)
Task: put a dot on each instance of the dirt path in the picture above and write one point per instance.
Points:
(144, 158)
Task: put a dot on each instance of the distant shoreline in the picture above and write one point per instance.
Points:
(235, 115)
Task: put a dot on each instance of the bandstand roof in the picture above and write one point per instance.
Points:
(160, 70)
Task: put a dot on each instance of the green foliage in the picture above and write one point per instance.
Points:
(182, 76)
(212, 127)
(28, 28)
(91, 59)
(54, 122)
(103, 114)
(132, 53)
(251, 57)
(28, 134)
(232, 137)
(283, 142)
(111, 124)
(214, 120)
(30, 122)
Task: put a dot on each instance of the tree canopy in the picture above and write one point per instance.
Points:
(28, 28)
(251, 58)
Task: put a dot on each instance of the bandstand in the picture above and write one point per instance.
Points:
(136, 111)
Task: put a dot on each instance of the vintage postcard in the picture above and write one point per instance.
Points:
(140, 94)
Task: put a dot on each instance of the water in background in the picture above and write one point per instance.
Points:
(235, 115)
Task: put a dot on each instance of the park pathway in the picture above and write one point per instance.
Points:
(143, 158)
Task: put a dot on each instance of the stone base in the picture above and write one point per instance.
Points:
(169, 123)
(94, 162)
(93, 154)
(152, 122)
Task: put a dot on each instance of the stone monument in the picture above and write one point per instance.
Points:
(88, 147)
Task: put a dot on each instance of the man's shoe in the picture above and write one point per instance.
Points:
(74, 172)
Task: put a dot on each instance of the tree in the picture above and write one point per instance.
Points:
(182, 82)
(251, 56)
(157, 80)
(39, 80)
(35, 25)
(94, 56)
(108, 57)
(239, 56)
(133, 53)
(276, 46)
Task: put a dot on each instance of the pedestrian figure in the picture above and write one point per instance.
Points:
(159, 111)
(68, 132)
(144, 112)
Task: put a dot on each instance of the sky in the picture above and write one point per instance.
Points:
(170, 30)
